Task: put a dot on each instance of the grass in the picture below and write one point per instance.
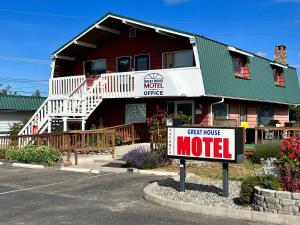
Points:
(237, 172)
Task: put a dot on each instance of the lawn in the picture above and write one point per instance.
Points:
(213, 170)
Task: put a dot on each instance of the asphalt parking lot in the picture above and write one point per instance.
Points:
(49, 196)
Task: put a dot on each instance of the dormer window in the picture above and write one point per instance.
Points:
(278, 75)
(240, 66)
(240, 61)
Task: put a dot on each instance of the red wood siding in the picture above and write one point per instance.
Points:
(282, 114)
(234, 112)
(145, 42)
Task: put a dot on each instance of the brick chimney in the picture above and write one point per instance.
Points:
(280, 54)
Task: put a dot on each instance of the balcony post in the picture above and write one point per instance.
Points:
(65, 123)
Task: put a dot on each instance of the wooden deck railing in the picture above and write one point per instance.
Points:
(225, 122)
(130, 133)
(275, 133)
(73, 141)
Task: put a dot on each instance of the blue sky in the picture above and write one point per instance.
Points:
(31, 30)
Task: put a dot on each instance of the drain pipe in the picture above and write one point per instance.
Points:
(211, 112)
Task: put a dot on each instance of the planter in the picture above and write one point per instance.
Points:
(282, 202)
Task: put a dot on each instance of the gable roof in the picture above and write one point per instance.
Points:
(120, 17)
(217, 69)
(21, 103)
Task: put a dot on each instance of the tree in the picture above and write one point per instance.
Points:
(37, 93)
(16, 127)
(7, 91)
(294, 113)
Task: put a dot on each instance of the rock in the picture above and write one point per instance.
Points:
(283, 195)
(296, 195)
(287, 202)
(267, 193)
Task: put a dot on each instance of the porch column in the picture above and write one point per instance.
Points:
(49, 125)
(65, 122)
(83, 124)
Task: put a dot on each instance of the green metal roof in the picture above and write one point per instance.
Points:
(218, 74)
(219, 80)
(23, 103)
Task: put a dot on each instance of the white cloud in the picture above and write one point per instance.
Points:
(174, 2)
(262, 54)
(286, 1)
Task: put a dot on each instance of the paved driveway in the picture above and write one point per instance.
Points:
(56, 197)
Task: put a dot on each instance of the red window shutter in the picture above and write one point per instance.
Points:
(245, 71)
(280, 80)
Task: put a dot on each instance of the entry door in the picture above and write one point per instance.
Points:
(184, 107)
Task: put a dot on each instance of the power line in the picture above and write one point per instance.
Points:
(44, 14)
(20, 59)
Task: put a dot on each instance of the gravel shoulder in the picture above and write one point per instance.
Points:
(200, 191)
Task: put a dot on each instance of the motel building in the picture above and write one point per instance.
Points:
(120, 70)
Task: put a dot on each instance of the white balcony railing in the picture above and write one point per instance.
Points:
(64, 86)
(178, 82)
(153, 83)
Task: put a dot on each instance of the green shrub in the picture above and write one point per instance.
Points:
(266, 150)
(3, 152)
(265, 181)
(118, 140)
(37, 154)
(247, 189)
(271, 182)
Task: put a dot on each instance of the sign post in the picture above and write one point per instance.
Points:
(225, 180)
(182, 175)
(219, 144)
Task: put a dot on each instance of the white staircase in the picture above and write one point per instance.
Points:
(68, 97)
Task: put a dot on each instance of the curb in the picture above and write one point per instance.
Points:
(239, 214)
(30, 166)
(152, 172)
(78, 170)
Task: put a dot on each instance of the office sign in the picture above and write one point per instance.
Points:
(206, 143)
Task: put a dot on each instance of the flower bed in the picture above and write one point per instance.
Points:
(283, 202)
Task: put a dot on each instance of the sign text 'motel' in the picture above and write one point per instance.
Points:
(209, 143)
(153, 85)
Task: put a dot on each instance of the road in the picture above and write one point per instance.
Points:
(52, 196)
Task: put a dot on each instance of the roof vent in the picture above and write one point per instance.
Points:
(132, 32)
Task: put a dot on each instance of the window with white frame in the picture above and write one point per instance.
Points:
(141, 62)
(220, 111)
(95, 67)
(178, 59)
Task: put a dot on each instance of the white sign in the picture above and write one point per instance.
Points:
(202, 143)
(168, 82)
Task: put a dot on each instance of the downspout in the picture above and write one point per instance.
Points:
(211, 113)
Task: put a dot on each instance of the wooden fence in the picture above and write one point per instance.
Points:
(263, 134)
(130, 133)
(73, 141)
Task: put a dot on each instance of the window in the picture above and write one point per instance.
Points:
(240, 65)
(95, 67)
(243, 113)
(141, 62)
(265, 113)
(278, 75)
(181, 108)
(220, 111)
(135, 113)
(123, 64)
(178, 59)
